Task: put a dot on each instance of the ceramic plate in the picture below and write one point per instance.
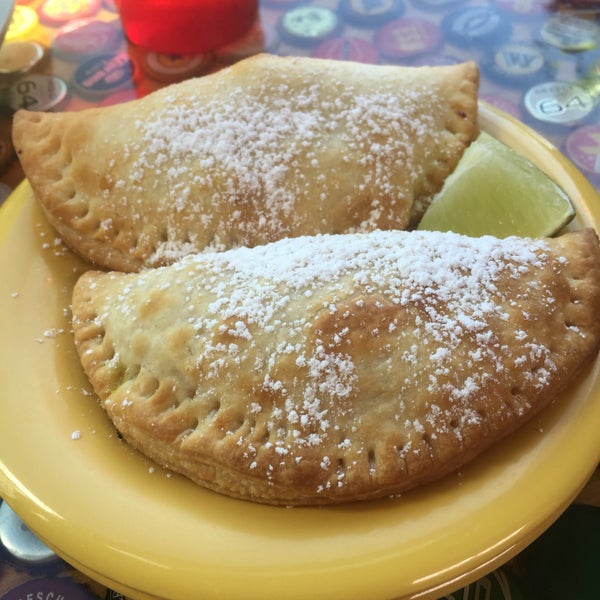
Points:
(151, 534)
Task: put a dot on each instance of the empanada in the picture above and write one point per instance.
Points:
(271, 147)
(334, 368)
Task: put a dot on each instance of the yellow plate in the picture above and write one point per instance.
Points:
(146, 533)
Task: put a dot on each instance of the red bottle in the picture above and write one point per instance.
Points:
(185, 26)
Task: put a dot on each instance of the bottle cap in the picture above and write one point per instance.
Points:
(582, 146)
(308, 25)
(517, 64)
(476, 27)
(105, 74)
(169, 68)
(58, 12)
(366, 13)
(36, 91)
(407, 38)
(558, 103)
(570, 32)
(527, 8)
(19, 57)
(51, 587)
(18, 539)
(78, 40)
(24, 20)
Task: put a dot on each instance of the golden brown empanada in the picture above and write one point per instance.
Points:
(271, 147)
(335, 368)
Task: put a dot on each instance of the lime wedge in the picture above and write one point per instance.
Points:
(496, 191)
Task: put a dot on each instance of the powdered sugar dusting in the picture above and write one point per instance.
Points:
(273, 149)
(256, 298)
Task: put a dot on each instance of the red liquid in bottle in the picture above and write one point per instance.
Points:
(185, 26)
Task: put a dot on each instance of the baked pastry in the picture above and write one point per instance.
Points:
(268, 148)
(334, 368)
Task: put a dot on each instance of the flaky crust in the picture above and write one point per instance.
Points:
(271, 147)
(337, 368)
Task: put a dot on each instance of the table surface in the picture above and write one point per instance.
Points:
(539, 61)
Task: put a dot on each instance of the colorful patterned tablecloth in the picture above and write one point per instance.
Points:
(540, 62)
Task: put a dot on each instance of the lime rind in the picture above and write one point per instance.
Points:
(496, 191)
